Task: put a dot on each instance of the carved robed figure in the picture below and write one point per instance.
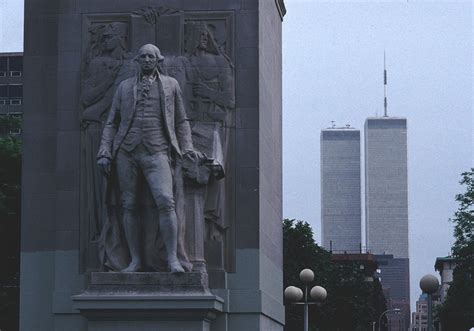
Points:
(106, 64)
(210, 91)
(146, 136)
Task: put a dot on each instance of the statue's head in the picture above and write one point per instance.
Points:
(203, 38)
(200, 37)
(148, 57)
(114, 36)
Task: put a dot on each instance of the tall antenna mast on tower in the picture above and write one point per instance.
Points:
(384, 86)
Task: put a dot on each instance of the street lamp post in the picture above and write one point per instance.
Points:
(429, 284)
(295, 294)
(395, 310)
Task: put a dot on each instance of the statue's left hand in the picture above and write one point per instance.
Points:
(104, 166)
(194, 156)
(191, 155)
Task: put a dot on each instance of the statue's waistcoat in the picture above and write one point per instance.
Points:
(122, 113)
(147, 125)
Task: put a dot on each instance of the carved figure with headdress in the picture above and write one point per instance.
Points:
(211, 96)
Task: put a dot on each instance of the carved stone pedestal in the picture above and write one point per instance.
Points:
(148, 301)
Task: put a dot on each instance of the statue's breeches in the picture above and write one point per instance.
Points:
(156, 169)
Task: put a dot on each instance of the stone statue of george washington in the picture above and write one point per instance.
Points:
(145, 133)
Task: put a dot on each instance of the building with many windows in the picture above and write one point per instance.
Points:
(419, 318)
(341, 189)
(386, 207)
(445, 266)
(11, 85)
(386, 186)
(393, 274)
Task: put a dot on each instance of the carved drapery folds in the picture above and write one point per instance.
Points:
(198, 50)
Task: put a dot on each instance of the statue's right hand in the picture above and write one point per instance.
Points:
(104, 166)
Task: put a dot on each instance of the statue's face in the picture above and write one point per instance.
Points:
(110, 41)
(203, 40)
(147, 58)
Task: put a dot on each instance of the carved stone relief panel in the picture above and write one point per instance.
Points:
(198, 50)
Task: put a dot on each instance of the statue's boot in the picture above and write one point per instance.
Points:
(132, 233)
(169, 232)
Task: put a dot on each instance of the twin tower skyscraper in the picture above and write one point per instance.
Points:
(386, 187)
(386, 197)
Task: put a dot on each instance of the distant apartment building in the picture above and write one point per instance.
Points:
(394, 277)
(394, 273)
(386, 208)
(445, 266)
(419, 318)
(11, 85)
(341, 189)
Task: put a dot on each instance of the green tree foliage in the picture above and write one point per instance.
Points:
(457, 312)
(10, 179)
(300, 252)
(9, 124)
(352, 303)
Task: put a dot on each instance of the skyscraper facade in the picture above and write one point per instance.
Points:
(386, 186)
(386, 205)
(341, 189)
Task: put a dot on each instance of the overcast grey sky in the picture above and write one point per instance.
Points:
(332, 70)
(11, 26)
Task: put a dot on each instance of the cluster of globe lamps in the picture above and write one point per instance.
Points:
(429, 284)
(294, 294)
